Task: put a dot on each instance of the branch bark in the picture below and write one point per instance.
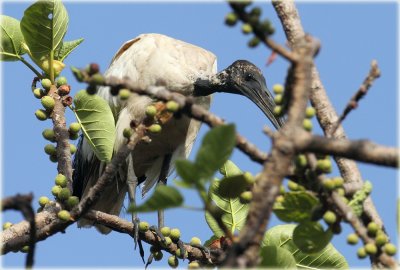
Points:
(64, 165)
(360, 150)
(123, 226)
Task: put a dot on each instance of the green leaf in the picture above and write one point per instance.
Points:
(234, 212)
(232, 186)
(163, 197)
(282, 236)
(216, 148)
(187, 171)
(310, 237)
(66, 48)
(181, 184)
(277, 258)
(44, 25)
(296, 206)
(12, 39)
(97, 121)
(229, 169)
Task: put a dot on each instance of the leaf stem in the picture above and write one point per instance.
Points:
(194, 208)
(37, 73)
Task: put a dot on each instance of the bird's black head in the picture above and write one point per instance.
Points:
(240, 74)
(243, 78)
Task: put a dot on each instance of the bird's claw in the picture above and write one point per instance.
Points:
(135, 221)
(157, 232)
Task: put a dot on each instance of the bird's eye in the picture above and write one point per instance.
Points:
(248, 77)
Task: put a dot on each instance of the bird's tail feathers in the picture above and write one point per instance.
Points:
(87, 170)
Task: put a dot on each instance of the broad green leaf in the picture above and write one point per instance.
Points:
(96, 118)
(187, 171)
(277, 258)
(296, 206)
(12, 39)
(282, 236)
(216, 148)
(229, 169)
(234, 212)
(44, 25)
(232, 186)
(66, 48)
(310, 237)
(163, 197)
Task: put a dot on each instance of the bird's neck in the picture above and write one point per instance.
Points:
(208, 86)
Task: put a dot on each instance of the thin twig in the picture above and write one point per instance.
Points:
(243, 16)
(23, 204)
(373, 74)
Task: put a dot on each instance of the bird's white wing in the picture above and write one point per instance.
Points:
(148, 60)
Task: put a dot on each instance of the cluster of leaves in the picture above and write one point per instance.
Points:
(285, 245)
(39, 34)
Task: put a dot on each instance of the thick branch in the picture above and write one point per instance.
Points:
(361, 150)
(123, 226)
(62, 136)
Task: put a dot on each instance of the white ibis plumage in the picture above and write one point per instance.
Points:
(151, 60)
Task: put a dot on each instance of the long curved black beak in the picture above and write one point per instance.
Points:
(256, 90)
(262, 97)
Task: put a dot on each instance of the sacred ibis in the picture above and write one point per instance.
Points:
(152, 60)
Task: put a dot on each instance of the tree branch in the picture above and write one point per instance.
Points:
(64, 165)
(23, 203)
(373, 74)
(360, 150)
(123, 226)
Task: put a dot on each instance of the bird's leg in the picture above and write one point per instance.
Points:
(162, 180)
(132, 183)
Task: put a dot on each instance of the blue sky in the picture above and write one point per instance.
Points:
(351, 36)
